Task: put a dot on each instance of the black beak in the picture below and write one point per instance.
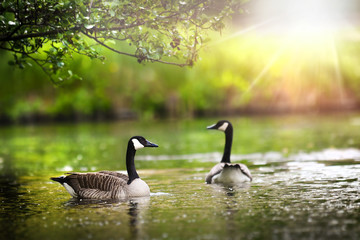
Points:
(150, 144)
(212, 126)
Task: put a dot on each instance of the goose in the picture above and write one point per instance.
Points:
(226, 172)
(108, 184)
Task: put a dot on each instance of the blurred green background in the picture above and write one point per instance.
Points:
(250, 68)
(236, 75)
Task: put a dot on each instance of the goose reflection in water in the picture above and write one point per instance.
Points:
(231, 201)
(136, 210)
(230, 190)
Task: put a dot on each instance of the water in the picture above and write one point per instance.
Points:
(306, 180)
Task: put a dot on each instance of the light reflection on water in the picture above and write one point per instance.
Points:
(286, 200)
(296, 193)
(258, 158)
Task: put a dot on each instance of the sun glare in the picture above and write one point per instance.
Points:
(308, 32)
(303, 16)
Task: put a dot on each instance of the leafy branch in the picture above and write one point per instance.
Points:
(48, 32)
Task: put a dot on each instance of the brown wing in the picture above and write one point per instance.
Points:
(245, 170)
(95, 185)
(214, 171)
(116, 174)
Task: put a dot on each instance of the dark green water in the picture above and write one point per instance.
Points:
(306, 180)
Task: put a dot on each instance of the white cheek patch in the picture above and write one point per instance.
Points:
(224, 126)
(137, 144)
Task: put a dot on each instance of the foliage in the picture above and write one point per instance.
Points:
(49, 32)
(242, 81)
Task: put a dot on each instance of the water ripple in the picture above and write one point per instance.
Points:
(329, 154)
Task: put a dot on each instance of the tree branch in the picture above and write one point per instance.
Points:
(95, 29)
(37, 34)
(44, 70)
(133, 55)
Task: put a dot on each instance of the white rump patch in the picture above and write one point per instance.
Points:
(70, 190)
(230, 176)
(223, 127)
(137, 144)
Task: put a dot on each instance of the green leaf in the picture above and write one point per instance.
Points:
(89, 26)
(60, 64)
(151, 28)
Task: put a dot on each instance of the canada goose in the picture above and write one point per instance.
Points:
(108, 184)
(226, 172)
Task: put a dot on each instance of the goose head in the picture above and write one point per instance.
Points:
(221, 125)
(135, 143)
(139, 142)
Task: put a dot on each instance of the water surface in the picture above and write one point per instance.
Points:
(306, 180)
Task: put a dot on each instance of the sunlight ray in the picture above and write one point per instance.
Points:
(295, 78)
(338, 76)
(266, 68)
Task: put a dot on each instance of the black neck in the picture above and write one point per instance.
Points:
(130, 164)
(228, 143)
